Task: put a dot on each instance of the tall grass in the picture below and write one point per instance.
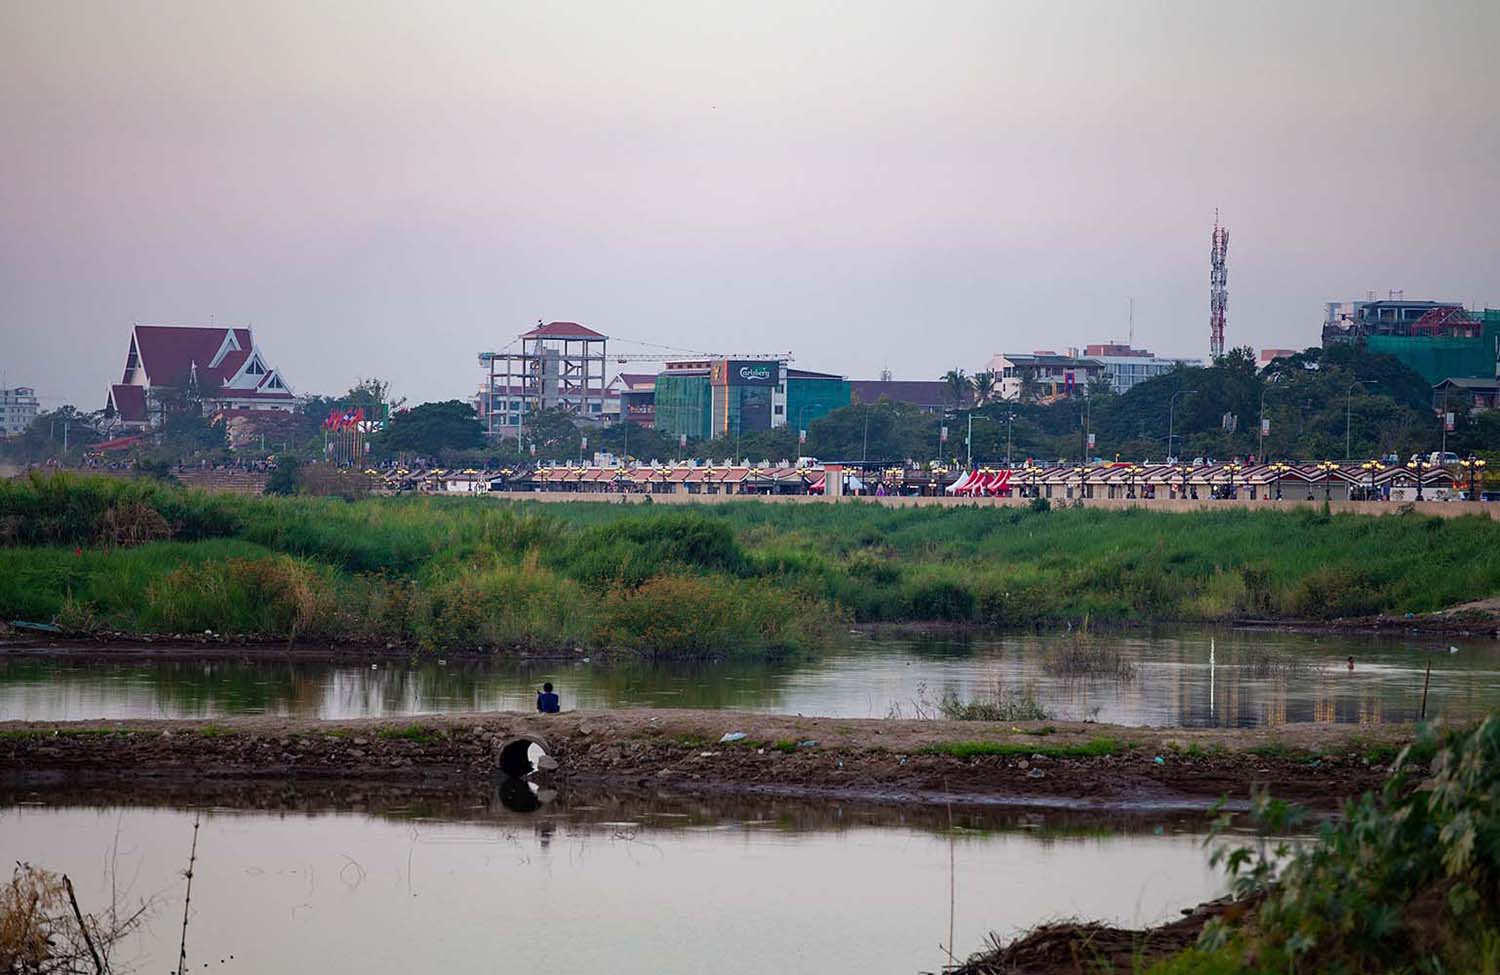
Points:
(455, 572)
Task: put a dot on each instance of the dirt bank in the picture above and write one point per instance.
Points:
(1057, 763)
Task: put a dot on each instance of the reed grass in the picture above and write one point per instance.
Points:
(106, 553)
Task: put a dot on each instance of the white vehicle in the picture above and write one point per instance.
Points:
(1438, 458)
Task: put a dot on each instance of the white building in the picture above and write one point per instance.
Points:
(18, 407)
(1126, 367)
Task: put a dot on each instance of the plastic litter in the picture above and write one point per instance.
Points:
(809, 743)
(1159, 760)
(731, 736)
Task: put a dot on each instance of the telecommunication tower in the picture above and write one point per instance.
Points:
(1218, 297)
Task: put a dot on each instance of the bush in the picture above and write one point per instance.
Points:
(677, 616)
(1407, 880)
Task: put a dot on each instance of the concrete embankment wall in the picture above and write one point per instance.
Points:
(1441, 509)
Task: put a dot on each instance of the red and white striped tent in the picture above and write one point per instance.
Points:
(982, 482)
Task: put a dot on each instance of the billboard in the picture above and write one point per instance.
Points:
(744, 372)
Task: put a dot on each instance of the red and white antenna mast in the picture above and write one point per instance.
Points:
(1218, 296)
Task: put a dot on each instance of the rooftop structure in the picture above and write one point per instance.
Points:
(222, 366)
(557, 366)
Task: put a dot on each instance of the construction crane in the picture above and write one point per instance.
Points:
(659, 357)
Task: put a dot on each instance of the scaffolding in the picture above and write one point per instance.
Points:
(559, 366)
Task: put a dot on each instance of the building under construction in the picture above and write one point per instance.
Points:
(1439, 339)
(556, 366)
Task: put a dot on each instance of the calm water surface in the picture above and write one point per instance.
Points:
(1192, 678)
(590, 886)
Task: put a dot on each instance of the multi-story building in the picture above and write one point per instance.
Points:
(930, 395)
(1044, 375)
(223, 367)
(707, 398)
(18, 407)
(631, 397)
(559, 366)
(1126, 366)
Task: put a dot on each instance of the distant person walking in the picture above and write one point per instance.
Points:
(546, 700)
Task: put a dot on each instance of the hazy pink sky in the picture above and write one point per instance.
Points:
(385, 188)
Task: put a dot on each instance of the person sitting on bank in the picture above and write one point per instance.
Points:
(546, 700)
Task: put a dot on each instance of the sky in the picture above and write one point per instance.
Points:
(386, 188)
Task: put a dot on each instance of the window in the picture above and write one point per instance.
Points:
(780, 409)
(274, 383)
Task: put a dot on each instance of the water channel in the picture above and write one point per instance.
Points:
(596, 883)
(1191, 678)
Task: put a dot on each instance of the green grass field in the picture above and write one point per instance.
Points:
(138, 556)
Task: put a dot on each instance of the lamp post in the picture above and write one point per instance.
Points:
(1326, 468)
(1233, 467)
(1184, 470)
(1473, 465)
(1083, 477)
(1419, 465)
(1172, 416)
(1373, 467)
(1261, 449)
(1280, 469)
(1130, 473)
(1348, 411)
(1010, 416)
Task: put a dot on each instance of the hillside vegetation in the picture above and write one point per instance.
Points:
(137, 556)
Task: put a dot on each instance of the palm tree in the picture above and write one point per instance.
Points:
(958, 385)
(984, 384)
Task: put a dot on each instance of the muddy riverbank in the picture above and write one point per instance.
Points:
(1031, 764)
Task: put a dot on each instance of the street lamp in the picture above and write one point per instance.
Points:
(1326, 468)
(1373, 467)
(1473, 465)
(1280, 469)
(1233, 468)
(1130, 473)
(1184, 470)
(1419, 465)
(1172, 416)
(1083, 478)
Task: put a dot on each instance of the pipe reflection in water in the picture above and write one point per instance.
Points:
(625, 883)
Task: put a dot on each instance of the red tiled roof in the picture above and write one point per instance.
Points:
(562, 330)
(130, 402)
(168, 352)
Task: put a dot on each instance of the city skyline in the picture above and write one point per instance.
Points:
(382, 190)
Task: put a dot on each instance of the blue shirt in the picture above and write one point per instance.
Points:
(547, 703)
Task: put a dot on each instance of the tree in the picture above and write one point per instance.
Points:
(985, 386)
(958, 385)
(45, 437)
(433, 427)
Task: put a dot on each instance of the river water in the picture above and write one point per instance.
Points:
(1192, 678)
(593, 884)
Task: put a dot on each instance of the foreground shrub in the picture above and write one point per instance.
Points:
(1404, 881)
(272, 596)
(497, 606)
(678, 616)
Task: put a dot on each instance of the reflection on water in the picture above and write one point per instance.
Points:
(594, 882)
(1191, 678)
